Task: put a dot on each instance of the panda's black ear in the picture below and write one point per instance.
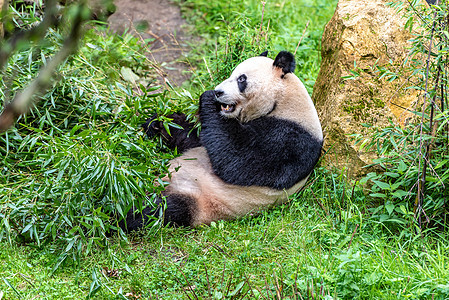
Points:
(265, 53)
(286, 61)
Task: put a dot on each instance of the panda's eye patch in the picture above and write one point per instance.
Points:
(241, 81)
(242, 78)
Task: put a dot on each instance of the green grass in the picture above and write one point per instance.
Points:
(328, 242)
(234, 30)
(332, 249)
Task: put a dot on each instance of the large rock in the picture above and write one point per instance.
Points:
(365, 34)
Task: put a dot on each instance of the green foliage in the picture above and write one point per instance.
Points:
(242, 41)
(415, 156)
(236, 30)
(78, 161)
(323, 244)
(22, 15)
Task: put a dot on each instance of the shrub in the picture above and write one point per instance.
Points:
(77, 161)
(415, 157)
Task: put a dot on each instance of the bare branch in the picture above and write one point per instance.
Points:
(300, 40)
(421, 181)
(3, 7)
(23, 99)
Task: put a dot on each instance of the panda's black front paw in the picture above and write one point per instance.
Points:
(152, 126)
(209, 101)
(208, 97)
(177, 132)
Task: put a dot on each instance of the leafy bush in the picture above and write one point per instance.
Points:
(415, 157)
(78, 161)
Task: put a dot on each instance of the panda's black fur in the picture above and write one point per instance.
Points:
(227, 142)
(182, 139)
(257, 145)
(179, 211)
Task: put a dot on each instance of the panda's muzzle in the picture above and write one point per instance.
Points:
(224, 107)
(227, 108)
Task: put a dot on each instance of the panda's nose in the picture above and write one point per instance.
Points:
(218, 93)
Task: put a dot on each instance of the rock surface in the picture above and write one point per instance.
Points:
(365, 34)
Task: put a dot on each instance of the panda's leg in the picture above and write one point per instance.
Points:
(184, 136)
(179, 211)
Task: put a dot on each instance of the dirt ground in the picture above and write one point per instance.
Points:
(159, 20)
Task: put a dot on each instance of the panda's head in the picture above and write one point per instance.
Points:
(255, 86)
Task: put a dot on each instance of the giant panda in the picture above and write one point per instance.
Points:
(260, 139)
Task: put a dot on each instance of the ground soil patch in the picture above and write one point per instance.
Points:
(161, 21)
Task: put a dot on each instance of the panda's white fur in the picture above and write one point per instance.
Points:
(267, 86)
(191, 174)
(255, 122)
